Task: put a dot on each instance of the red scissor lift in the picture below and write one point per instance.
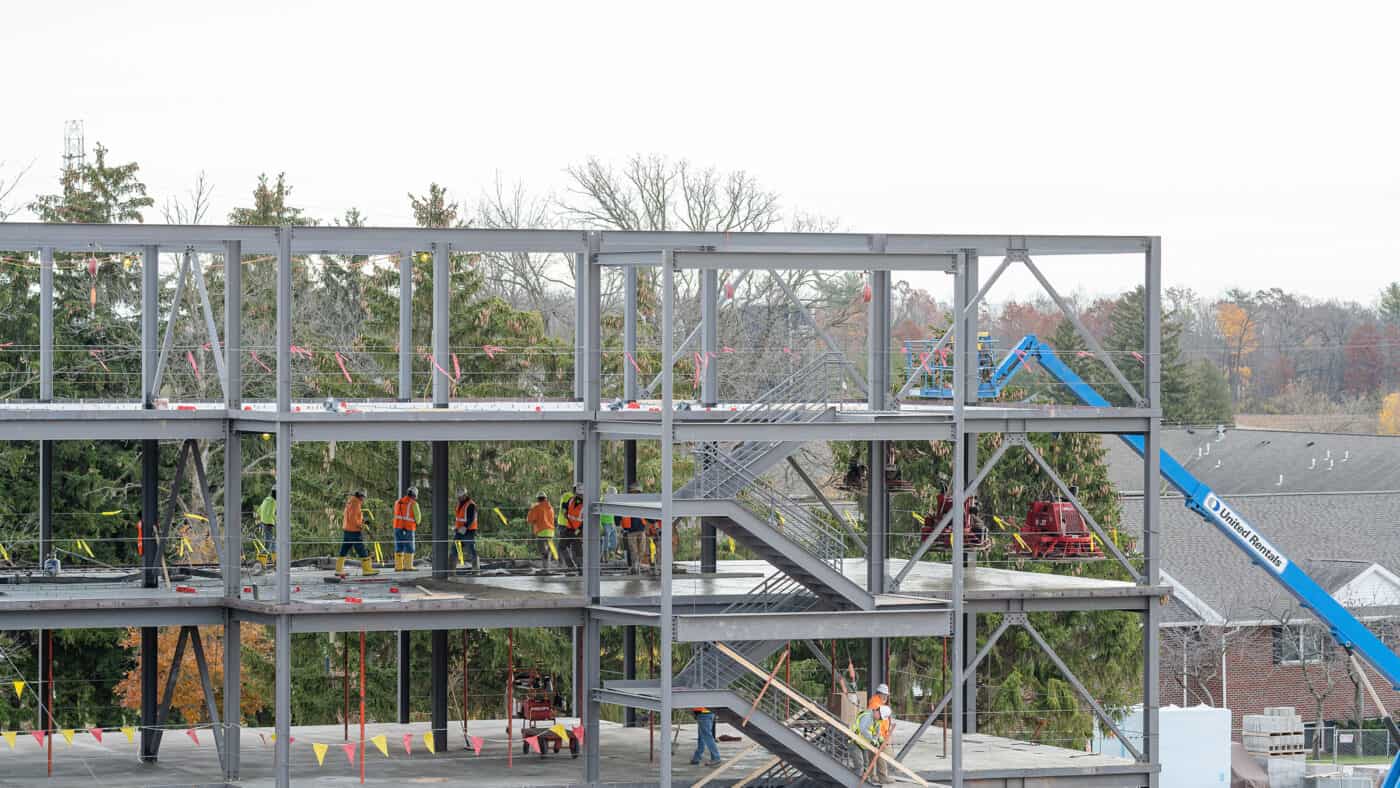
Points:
(975, 535)
(1055, 529)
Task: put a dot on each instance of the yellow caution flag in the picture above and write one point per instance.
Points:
(378, 554)
(552, 551)
(320, 750)
(461, 559)
(87, 548)
(731, 545)
(1020, 541)
(652, 548)
(10, 738)
(19, 689)
(130, 734)
(852, 519)
(68, 735)
(558, 730)
(4, 553)
(112, 513)
(382, 743)
(198, 517)
(185, 543)
(504, 520)
(1000, 522)
(428, 740)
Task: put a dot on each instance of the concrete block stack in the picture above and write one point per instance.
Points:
(1278, 732)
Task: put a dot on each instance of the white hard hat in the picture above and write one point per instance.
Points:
(885, 712)
(883, 689)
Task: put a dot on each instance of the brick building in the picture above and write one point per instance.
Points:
(1232, 636)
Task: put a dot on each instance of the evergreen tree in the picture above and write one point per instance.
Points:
(1390, 303)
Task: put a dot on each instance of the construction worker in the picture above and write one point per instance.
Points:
(634, 530)
(352, 538)
(881, 697)
(705, 737)
(464, 528)
(407, 516)
(267, 518)
(873, 725)
(608, 529)
(652, 529)
(541, 520)
(572, 538)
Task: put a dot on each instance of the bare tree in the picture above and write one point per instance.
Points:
(525, 280)
(193, 206)
(1194, 657)
(1301, 643)
(7, 188)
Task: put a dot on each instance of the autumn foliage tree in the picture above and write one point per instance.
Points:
(1390, 414)
(1240, 332)
(188, 700)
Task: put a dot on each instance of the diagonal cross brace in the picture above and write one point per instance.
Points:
(170, 324)
(948, 518)
(1084, 333)
(1006, 622)
(685, 343)
(1083, 512)
(1080, 689)
(197, 643)
(209, 325)
(825, 337)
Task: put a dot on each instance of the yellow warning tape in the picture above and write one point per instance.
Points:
(1000, 522)
(378, 554)
(185, 544)
(4, 553)
(554, 552)
(461, 559)
(87, 548)
(198, 517)
(504, 520)
(112, 513)
(1020, 541)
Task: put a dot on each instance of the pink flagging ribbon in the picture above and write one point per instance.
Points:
(189, 356)
(265, 367)
(492, 350)
(339, 359)
(631, 360)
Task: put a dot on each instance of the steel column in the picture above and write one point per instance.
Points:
(150, 302)
(709, 390)
(150, 516)
(442, 506)
(630, 317)
(966, 456)
(1152, 510)
(46, 324)
(665, 553)
(629, 670)
(233, 325)
(403, 640)
(283, 486)
(959, 484)
(878, 519)
(284, 319)
(589, 366)
(282, 700)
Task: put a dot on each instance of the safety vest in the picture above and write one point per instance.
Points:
(574, 513)
(403, 514)
(700, 710)
(354, 518)
(267, 511)
(867, 727)
(561, 513)
(541, 519)
(629, 527)
(462, 508)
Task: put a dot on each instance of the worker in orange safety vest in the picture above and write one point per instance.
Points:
(407, 516)
(572, 539)
(541, 520)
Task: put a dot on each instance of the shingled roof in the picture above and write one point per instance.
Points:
(1336, 538)
(1269, 461)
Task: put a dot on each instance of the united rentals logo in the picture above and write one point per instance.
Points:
(1245, 534)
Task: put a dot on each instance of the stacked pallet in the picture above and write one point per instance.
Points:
(1278, 732)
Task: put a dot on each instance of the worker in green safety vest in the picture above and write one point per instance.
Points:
(267, 518)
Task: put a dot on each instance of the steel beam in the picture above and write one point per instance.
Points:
(284, 319)
(46, 324)
(283, 485)
(629, 670)
(168, 342)
(589, 366)
(216, 348)
(888, 623)
(665, 553)
(233, 326)
(1152, 512)
(878, 515)
(282, 701)
(966, 266)
(150, 315)
(1080, 689)
(404, 640)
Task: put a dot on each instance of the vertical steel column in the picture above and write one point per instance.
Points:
(629, 670)
(150, 515)
(590, 366)
(878, 369)
(46, 324)
(45, 465)
(709, 389)
(233, 505)
(630, 317)
(282, 700)
(668, 416)
(404, 639)
(284, 319)
(970, 282)
(959, 484)
(1152, 512)
(442, 502)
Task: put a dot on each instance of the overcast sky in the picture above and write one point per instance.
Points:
(1258, 139)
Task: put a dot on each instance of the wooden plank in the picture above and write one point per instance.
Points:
(821, 713)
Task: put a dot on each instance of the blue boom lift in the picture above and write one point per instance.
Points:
(1350, 634)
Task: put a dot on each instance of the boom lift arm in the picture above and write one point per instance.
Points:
(1349, 632)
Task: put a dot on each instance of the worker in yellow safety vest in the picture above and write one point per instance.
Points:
(267, 518)
(873, 725)
(541, 520)
(572, 539)
(407, 516)
(352, 539)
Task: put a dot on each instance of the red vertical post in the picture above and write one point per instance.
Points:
(362, 705)
(345, 681)
(787, 679)
(48, 692)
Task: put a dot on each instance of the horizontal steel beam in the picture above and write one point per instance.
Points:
(425, 429)
(19, 236)
(623, 617)
(366, 618)
(74, 617)
(786, 261)
(826, 624)
(843, 429)
(1139, 599)
(96, 426)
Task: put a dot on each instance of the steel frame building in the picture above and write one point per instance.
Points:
(873, 611)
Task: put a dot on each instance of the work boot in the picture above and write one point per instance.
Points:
(408, 562)
(340, 567)
(367, 567)
(398, 561)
